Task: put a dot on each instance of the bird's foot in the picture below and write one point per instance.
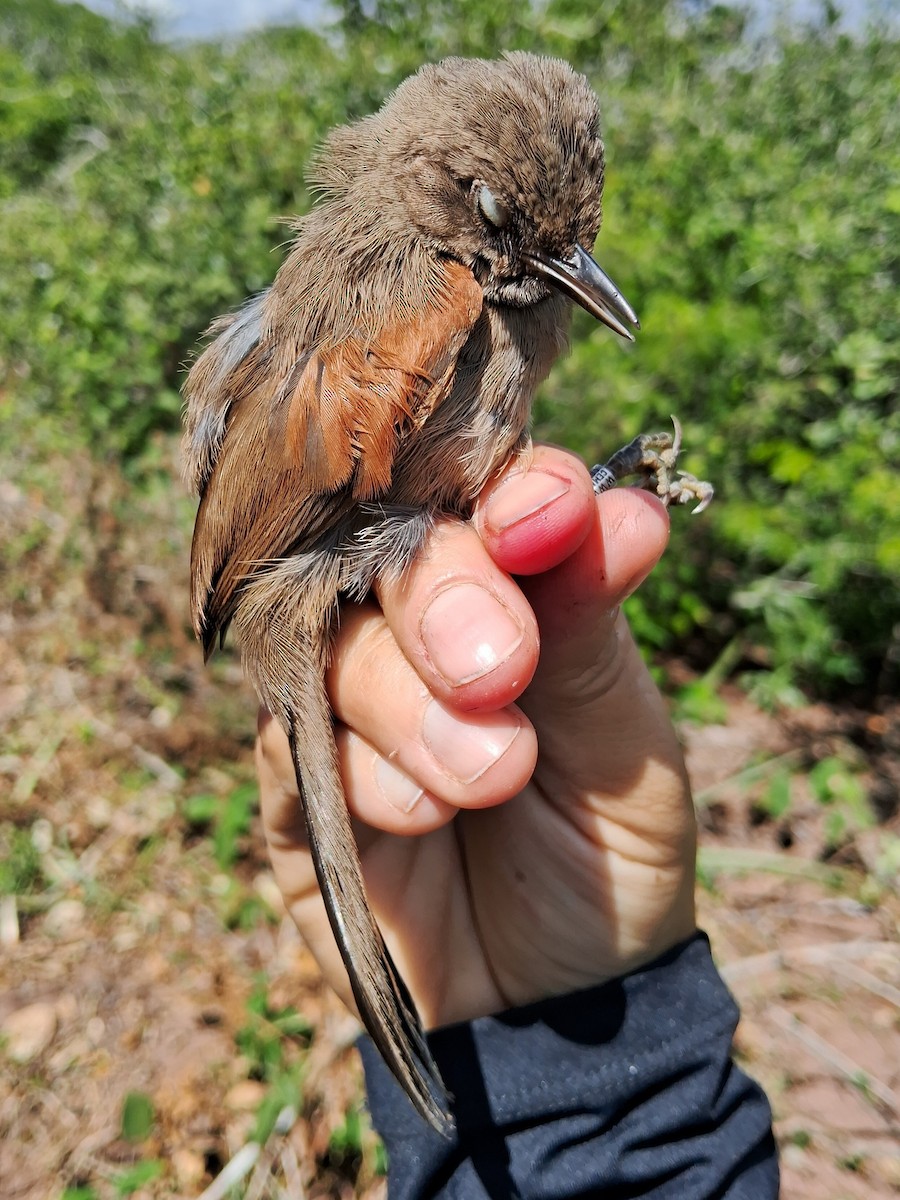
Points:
(653, 458)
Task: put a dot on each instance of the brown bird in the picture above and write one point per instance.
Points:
(384, 377)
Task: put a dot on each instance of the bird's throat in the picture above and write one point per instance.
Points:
(520, 291)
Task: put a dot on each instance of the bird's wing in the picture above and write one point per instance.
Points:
(284, 441)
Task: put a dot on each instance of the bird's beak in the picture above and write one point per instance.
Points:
(581, 278)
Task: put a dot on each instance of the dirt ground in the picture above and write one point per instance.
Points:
(143, 952)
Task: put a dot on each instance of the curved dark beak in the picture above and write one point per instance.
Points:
(581, 278)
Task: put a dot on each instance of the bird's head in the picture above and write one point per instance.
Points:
(498, 165)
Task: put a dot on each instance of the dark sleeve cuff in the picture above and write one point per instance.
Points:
(623, 1090)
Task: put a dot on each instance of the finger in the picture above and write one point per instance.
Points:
(379, 794)
(382, 796)
(534, 516)
(577, 602)
(592, 671)
(462, 622)
(468, 760)
(578, 599)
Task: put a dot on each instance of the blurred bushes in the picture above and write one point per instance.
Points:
(752, 212)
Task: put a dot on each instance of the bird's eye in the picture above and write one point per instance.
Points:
(491, 208)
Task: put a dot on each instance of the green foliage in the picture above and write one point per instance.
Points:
(20, 862)
(138, 1116)
(837, 786)
(154, 206)
(284, 1092)
(752, 216)
(269, 1041)
(775, 801)
(230, 819)
(752, 200)
(353, 1142)
(261, 1038)
(699, 700)
(887, 865)
(346, 1144)
(135, 1177)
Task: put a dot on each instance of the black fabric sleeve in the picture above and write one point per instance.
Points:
(623, 1090)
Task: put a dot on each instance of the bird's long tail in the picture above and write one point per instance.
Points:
(289, 674)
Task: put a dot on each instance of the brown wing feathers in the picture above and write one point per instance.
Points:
(283, 456)
(354, 401)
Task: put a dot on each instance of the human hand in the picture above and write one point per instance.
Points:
(522, 812)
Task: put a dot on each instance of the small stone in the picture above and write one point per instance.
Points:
(42, 835)
(238, 1132)
(94, 1030)
(888, 1168)
(99, 811)
(29, 1031)
(125, 939)
(268, 889)
(9, 921)
(67, 1007)
(189, 1167)
(161, 718)
(180, 921)
(152, 904)
(245, 1096)
(155, 967)
(65, 918)
(794, 1157)
(883, 1017)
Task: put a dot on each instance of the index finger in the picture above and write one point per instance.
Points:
(457, 614)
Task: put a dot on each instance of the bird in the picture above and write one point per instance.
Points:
(379, 382)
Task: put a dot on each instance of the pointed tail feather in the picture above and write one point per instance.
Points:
(284, 621)
(385, 1005)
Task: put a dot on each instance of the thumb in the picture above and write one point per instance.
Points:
(576, 602)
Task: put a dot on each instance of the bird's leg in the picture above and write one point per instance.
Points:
(653, 458)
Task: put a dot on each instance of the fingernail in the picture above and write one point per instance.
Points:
(396, 789)
(533, 491)
(464, 752)
(467, 632)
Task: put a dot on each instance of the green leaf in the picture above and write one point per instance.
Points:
(138, 1115)
(201, 810)
(135, 1177)
(776, 800)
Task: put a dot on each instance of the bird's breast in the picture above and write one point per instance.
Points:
(485, 416)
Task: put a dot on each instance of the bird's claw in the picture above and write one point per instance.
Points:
(687, 488)
(653, 458)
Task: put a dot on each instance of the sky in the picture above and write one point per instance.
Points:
(213, 18)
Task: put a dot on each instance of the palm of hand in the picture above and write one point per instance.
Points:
(584, 872)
